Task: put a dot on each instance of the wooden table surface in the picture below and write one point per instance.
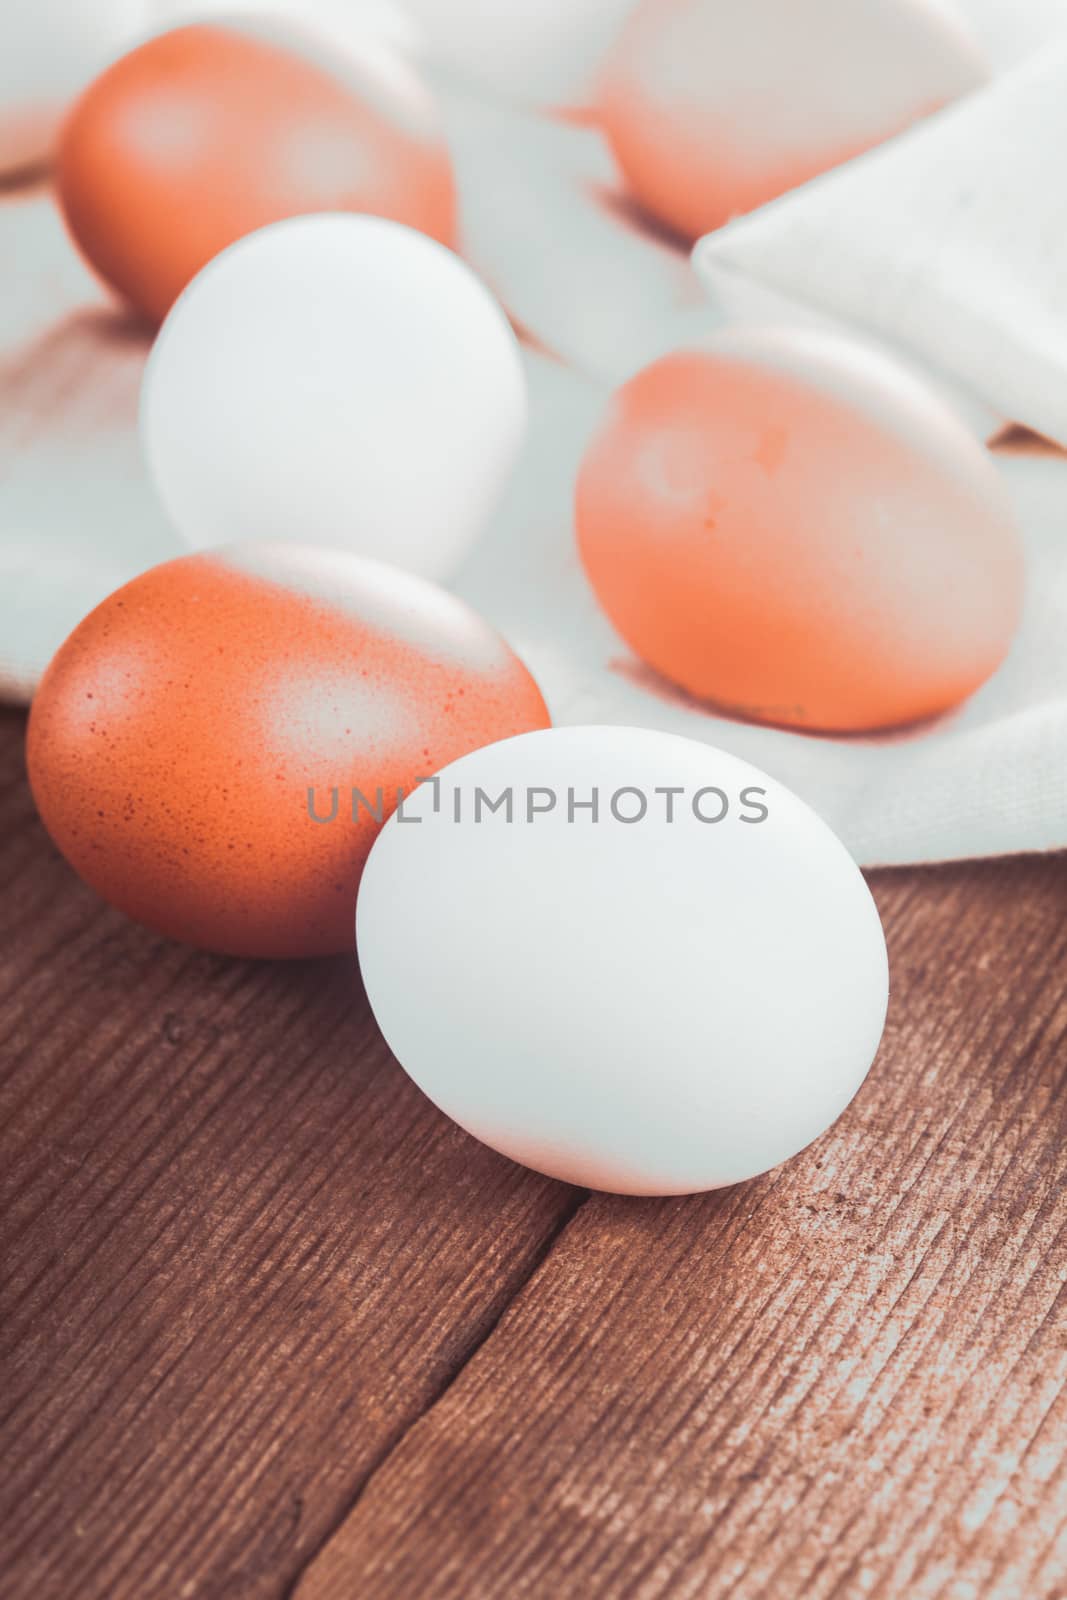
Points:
(272, 1326)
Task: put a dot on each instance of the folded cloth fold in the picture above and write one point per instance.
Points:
(950, 241)
(546, 221)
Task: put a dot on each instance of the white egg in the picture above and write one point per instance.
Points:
(668, 995)
(544, 52)
(340, 380)
(49, 51)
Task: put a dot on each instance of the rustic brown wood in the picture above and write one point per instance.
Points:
(844, 1379)
(239, 1252)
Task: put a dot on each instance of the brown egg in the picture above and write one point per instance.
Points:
(204, 134)
(793, 528)
(215, 746)
(714, 107)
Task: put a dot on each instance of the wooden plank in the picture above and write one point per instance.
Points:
(846, 1378)
(239, 1251)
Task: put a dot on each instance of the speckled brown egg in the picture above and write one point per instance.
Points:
(206, 133)
(214, 747)
(794, 528)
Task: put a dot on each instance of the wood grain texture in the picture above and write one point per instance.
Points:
(844, 1379)
(239, 1252)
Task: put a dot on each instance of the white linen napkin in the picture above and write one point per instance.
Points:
(950, 240)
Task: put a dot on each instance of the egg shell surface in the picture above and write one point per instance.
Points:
(715, 107)
(339, 379)
(643, 1003)
(792, 527)
(177, 733)
(205, 133)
